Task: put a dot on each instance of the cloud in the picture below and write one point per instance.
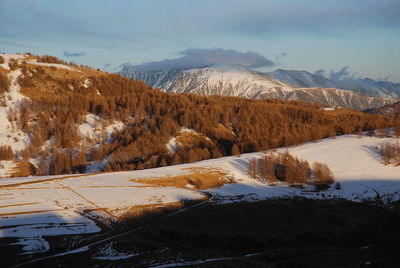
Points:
(69, 54)
(199, 57)
(280, 56)
(384, 78)
(311, 17)
(320, 72)
(342, 75)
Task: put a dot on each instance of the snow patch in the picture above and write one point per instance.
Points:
(55, 221)
(57, 65)
(108, 252)
(173, 145)
(33, 245)
(8, 57)
(87, 83)
(190, 186)
(7, 168)
(94, 128)
(10, 133)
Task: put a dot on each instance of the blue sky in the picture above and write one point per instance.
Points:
(295, 34)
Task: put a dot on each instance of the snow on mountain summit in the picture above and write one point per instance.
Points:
(241, 82)
(301, 78)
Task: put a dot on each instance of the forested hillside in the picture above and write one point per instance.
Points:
(77, 119)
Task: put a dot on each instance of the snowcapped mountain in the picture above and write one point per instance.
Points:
(363, 86)
(221, 80)
(155, 79)
(301, 78)
(241, 82)
(371, 87)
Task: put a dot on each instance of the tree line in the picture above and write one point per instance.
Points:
(390, 153)
(284, 167)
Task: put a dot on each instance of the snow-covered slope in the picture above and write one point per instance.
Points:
(363, 86)
(225, 81)
(371, 87)
(237, 81)
(46, 206)
(301, 78)
(10, 101)
(156, 79)
(10, 133)
(17, 67)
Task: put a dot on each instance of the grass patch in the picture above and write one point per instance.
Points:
(148, 210)
(188, 140)
(23, 169)
(199, 180)
(39, 80)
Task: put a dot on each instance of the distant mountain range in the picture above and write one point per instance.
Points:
(364, 86)
(241, 82)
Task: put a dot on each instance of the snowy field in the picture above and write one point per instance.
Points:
(35, 207)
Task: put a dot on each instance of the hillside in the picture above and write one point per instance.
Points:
(241, 82)
(63, 118)
(37, 210)
(392, 110)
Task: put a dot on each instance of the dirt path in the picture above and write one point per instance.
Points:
(43, 180)
(87, 200)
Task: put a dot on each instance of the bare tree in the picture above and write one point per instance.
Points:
(252, 168)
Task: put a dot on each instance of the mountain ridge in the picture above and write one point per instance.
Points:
(364, 86)
(241, 82)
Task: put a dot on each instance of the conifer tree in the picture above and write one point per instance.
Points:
(176, 160)
(235, 150)
(107, 168)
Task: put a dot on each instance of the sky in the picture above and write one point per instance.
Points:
(360, 35)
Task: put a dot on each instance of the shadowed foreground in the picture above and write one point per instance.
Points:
(284, 233)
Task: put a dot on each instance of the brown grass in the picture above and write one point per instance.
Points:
(23, 169)
(191, 140)
(343, 111)
(203, 169)
(143, 210)
(224, 131)
(199, 180)
(44, 80)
